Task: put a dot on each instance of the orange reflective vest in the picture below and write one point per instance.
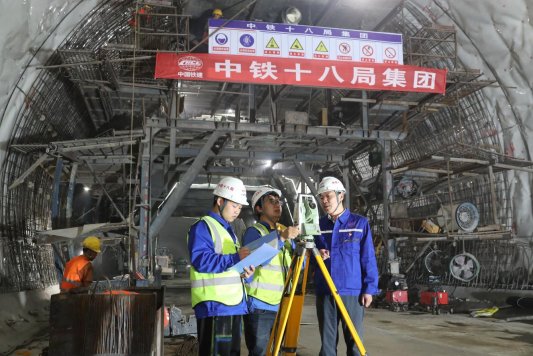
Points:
(77, 273)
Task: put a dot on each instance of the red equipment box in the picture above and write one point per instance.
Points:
(396, 296)
(427, 298)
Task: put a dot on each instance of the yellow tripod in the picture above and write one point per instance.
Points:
(291, 305)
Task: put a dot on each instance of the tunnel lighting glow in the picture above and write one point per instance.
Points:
(291, 16)
(268, 163)
(86, 188)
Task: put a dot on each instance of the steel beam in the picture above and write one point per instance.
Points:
(281, 130)
(386, 163)
(305, 176)
(24, 175)
(184, 184)
(70, 194)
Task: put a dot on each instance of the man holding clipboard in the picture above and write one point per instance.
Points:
(266, 287)
(218, 295)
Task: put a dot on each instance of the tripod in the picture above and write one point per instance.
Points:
(292, 301)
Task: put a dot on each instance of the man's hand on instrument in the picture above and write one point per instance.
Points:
(291, 232)
(324, 253)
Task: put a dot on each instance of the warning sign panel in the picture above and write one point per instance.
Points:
(272, 45)
(344, 50)
(321, 48)
(271, 40)
(368, 52)
(296, 48)
(391, 54)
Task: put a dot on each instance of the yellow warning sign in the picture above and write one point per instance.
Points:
(272, 43)
(321, 47)
(297, 45)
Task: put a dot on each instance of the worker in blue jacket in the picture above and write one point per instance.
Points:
(217, 291)
(350, 259)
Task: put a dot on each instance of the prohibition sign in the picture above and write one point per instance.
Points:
(344, 47)
(368, 50)
(390, 52)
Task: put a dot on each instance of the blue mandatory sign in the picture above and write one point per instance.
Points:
(221, 38)
(247, 40)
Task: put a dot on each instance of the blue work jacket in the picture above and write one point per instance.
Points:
(205, 260)
(352, 263)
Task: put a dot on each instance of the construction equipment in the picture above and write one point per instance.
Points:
(286, 329)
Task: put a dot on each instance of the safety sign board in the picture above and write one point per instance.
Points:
(299, 41)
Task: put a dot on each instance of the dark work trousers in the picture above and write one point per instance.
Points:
(328, 322)
(257, 327)
(219, 336)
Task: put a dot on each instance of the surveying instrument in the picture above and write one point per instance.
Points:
(286, 328)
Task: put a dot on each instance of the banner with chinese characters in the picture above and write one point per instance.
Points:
(298, 41)
(301, 72)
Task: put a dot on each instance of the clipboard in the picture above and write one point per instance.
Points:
(262, 254)
(270, 239)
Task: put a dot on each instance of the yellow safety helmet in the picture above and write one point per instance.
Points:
(92, 243)
(217, 12)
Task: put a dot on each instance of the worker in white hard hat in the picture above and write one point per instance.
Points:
(265, 289)
(218, 294)
(78, 273)
(348, 254)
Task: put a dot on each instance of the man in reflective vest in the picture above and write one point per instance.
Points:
(218, 295)
(78, 272)
(266, 287)
(348, 254)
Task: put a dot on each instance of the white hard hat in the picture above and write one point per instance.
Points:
(262, 191)
(328, 184)
(232, 189)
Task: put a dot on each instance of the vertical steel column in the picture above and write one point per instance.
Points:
(251, 103)
(143, 262)
(364, 110)
(387, 198)
(183, 185)
(346, 179)
(55, 192)
(173, 116)
(492, 183)
(70, 194)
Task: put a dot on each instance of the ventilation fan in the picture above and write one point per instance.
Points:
(467, 216)
(464, 267)
(434, 262)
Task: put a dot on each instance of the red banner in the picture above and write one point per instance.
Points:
(301, 72)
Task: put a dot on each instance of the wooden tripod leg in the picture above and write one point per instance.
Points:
(280, 324)
(339, 302)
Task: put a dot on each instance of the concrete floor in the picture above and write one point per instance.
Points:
(407, 333)
(387, 333)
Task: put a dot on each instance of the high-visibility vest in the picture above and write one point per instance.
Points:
(268, 281)
(225, 287)
(72, 276)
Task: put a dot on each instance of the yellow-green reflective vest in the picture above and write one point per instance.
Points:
(225, 287)
(267, 283)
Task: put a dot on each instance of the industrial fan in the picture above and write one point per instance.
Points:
(464, 267)
(467, 216)
(435, 262)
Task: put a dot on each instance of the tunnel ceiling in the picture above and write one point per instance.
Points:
(93, 96)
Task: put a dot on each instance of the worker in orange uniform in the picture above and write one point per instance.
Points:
(79, 270)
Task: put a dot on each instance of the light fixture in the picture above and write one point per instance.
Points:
(86, 188)
(291, 16)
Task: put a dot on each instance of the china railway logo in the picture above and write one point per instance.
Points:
(190, 63)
